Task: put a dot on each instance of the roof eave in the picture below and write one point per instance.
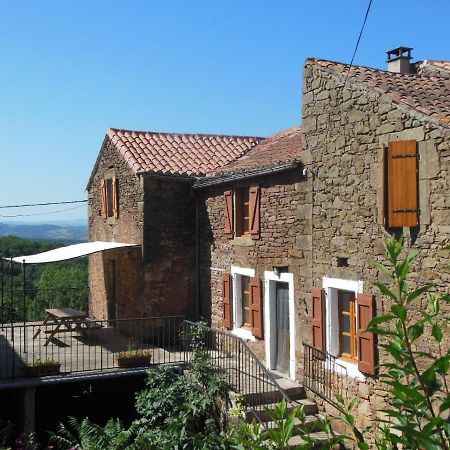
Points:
(227, 178)
(97, 162)
(168, 176)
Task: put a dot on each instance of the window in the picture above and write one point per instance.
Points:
(401, 184)
(109, 195)
(242, 303)
(245, 299)
(340, 316)
(109, 198)
(242, 215)
(347, 325)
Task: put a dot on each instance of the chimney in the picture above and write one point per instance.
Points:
(399, 60)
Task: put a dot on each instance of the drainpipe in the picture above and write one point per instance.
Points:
(197, 256)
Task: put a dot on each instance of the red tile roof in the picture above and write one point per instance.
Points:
(280, 148)
(179, 154)
(428, 94)
(442, 65)
(431, 67)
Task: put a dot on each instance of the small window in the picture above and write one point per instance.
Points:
(245, 297)
(241, 214)
(401, 184)
(242, 303)
(242, 211)
(340, 317)
(347, 325)
(109, 196)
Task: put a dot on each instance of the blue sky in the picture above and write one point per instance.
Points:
(69, 70)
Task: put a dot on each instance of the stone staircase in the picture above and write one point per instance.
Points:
(255, 387)
(259, 406)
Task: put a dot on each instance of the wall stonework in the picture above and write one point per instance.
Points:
(158, 278)
(127, 228)
(169, 248)
(284, 217)
(345, 130)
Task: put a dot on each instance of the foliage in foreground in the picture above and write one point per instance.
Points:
(175, 411)
(186, 412)
(416, 381)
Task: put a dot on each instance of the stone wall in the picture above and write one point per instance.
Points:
(284, 241)
(169, 248)
(345, 131)
(127, 228)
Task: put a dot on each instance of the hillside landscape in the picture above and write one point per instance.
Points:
(61, 233)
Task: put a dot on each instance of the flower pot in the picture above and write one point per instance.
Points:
(132, 361)
(41, 370)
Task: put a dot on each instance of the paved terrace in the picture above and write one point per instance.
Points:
(91, 348)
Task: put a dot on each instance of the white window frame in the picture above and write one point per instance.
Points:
(270, 279)
(238, 329)
(331, 287)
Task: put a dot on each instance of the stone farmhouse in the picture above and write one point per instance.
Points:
(274, 239)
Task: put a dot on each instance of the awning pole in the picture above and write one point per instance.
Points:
(12, 311)
(3, 296)
(24, 309)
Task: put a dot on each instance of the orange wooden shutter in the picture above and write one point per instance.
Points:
(254, 206)
(227, 301)
(403, 203)
(228, 195)
(256, 309)
(366, 341)
(103, 195)
(115, 197)
(318, 318)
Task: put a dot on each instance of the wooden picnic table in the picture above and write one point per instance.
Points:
(61, 320)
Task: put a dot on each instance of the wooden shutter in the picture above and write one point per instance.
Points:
(318, 318)
(403, 199)
(228, 195)
(366, 341)
(103, 195)
(115, 197)
(254, 206)
(256, 309)
(227, 301)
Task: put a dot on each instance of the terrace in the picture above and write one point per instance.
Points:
(89, 347)
(48, 332)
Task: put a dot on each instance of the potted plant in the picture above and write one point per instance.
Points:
(133, 358)
(42, 367)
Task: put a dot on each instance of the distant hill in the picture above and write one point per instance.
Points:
(62, 233)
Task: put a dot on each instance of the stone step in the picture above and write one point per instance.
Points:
(311, 424)
(274, 396)
(321, 437)
(310, 408)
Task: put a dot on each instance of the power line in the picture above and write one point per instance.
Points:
(351, 61)
(42, 204)
(357, 42)
(41, 214)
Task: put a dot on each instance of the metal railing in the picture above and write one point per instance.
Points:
(244, 372)
(322, 374)
(89, 345)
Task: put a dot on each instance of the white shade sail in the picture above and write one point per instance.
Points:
(69, 252)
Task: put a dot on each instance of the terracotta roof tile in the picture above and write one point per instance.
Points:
(179, 154)
(283, 147)
(426, 93)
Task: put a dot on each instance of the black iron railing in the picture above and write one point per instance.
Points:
(244, 372)
(90, 345)
(322, 374)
